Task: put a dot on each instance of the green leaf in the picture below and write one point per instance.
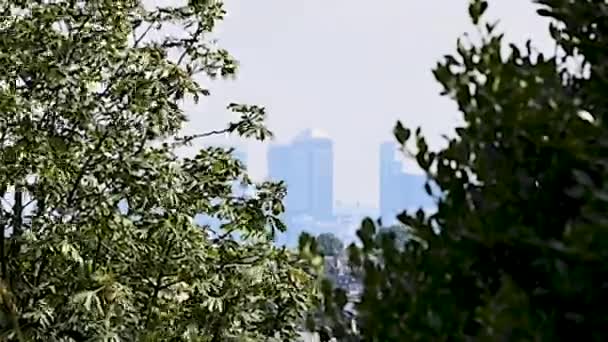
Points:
(401, 133)
(582, 178)
(476, 9)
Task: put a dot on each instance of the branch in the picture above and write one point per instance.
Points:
(142, 144)
(143, 35)
(41, 269)
(244, 261)
(219, 322)
(157, 287)
(281, 309)
(168, 285)
(183, 55)
(96, 256)
(152, 300)
(74, 335)
(180, 141)
(86, 165)
(193, 38)
(7, 300)
(17, 222)
(30, 202)
(72, 36)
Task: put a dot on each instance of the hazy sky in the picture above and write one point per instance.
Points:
(350, 68)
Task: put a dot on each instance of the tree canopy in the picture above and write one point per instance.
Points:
(98, 241)
(397, 234)
(329, 244)
(517, 249)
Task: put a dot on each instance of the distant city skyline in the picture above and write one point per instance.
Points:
(351, 69)
(305, 164)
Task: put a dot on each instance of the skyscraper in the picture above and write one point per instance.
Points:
(398, 190)
(278, 162)
(306, 166)
(390, 169)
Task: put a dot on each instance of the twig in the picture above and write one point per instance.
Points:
(7, 300)
(157, 287)
(86, 165)
(187, 139)
(143, 35)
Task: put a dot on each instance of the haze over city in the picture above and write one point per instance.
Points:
(347, 68)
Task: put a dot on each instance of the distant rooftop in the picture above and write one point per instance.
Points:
(311, 133)
(389, 144)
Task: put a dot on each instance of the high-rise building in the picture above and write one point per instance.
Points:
(306, 166)
(398, 190)
(278, 162)
(390, 169)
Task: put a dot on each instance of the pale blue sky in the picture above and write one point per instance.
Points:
(350, 68)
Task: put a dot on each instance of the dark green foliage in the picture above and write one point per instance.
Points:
(518, 248)
(397, 235)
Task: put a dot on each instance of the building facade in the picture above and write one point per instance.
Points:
(306, 166)
(399, 190)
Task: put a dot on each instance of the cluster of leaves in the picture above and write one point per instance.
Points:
(98, 240)
(329, 244)
(517, 250)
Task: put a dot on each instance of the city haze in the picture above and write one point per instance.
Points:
(351, 69)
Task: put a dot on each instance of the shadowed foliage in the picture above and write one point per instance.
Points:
(518, 248)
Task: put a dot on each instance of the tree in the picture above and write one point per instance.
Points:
(98, 236)
(329, 244)
(397, 234)
(517, 250)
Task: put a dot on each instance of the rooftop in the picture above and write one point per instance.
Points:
(311, 133)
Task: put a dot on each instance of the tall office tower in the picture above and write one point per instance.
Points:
(398, 190)
(306, 166)
(390, 169)
(279, 168)
(313, 161)
(278, 162)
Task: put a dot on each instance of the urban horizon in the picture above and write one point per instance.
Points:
(400, 164)
(306, 165)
